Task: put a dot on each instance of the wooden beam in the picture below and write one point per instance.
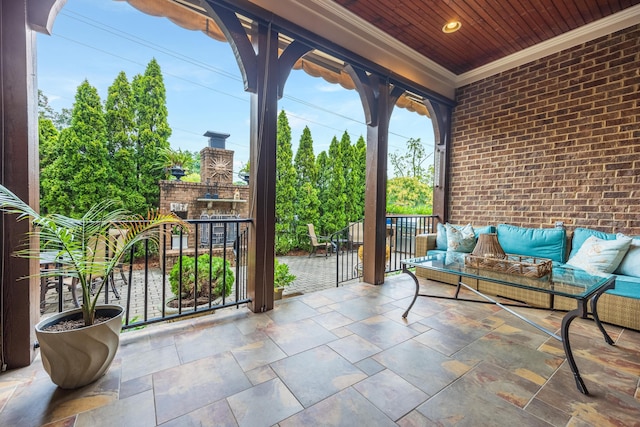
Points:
(378, 98)
(19, 172)
(265, 75)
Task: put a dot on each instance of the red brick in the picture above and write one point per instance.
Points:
(556, 137)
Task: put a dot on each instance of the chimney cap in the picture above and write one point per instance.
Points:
(211, 133)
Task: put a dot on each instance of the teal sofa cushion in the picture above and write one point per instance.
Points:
(582, 234)
(536, 242)
(441, 237)
(626, 286)
(487, 229)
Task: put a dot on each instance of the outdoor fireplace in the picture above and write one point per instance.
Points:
(217, 231)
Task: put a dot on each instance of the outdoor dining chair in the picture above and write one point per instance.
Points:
(318, 241)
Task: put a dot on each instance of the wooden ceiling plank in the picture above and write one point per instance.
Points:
(582, 9)
(553, 18)
(491, 30)
(526, 32)
(458, 44)
(478, 12)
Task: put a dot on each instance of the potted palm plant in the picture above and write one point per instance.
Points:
(176, 161)
(78, 345)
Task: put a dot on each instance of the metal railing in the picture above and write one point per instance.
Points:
(401, 243)
(142, 285)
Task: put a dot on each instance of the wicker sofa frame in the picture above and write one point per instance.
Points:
(613, 309)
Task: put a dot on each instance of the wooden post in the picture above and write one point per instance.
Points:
(264, 75)
(19, 172)
(378, 98)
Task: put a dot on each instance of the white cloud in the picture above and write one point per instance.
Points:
(329, 87)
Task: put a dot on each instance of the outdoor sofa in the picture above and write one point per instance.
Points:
(619, 306)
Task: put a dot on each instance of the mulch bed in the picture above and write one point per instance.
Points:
(188, 302)
(69, 325)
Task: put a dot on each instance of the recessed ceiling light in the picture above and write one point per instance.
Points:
(451, 27)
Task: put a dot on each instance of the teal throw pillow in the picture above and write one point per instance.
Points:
(460, 239)
(600, 256)
(441, 237)
(630, 264)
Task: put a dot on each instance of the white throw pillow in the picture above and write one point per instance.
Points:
(630, 264)
(460, 239)
(600, 256)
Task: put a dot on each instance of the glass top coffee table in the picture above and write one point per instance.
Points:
(576, 284)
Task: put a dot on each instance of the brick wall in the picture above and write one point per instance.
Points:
(557, 139)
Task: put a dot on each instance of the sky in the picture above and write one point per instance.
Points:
(96, 39)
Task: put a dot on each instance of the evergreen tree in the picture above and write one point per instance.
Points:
(335, 214)
(80, 171)
(285, 186)
(151, 132)
(45, 111)
(120, 125)
(348, 164)
(47, 140)
(307, 203)
(322, 184)
(359, 177)
(47, 146)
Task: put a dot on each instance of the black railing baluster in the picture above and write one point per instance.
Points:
(402, 230)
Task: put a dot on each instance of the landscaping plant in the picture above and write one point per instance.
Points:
(75, 241)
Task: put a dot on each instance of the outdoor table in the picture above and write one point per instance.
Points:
(46, 283)
(562, 281)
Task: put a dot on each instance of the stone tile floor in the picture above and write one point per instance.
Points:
(345, 357)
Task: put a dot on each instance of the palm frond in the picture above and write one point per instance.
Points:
(85, 248)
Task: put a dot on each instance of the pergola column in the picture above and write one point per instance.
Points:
(378, 98)
(264, 76)
(19, 169)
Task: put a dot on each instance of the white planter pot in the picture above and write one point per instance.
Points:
(80, 356)
(175, 241)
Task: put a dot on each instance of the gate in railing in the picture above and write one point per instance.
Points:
(401, 243)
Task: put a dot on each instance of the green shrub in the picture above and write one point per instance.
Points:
(221, 282)
(281, 275)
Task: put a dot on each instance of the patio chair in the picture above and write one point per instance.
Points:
(116, 238)
(318, 241)
(356, 234)
(47, 261)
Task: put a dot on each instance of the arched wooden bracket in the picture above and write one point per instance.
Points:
(370, 87)
(288, 58)
(239, 40)
(244, 48)
(441, 115)
(42, 13)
